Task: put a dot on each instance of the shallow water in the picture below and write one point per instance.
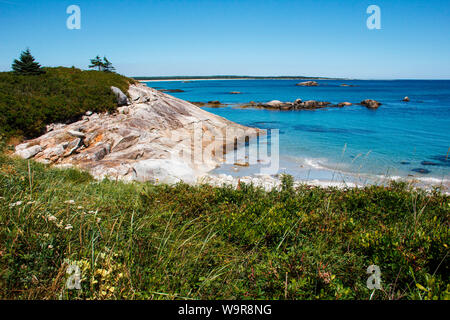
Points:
(391, 141)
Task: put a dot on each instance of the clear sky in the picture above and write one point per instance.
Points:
(229, 37)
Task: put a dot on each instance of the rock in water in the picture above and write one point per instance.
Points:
(371, 104)
(122, 99)
(406, 99)
(274, 104)
(308, 84)
(148, 140)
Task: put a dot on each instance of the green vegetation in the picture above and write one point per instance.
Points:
(102, 65)
(29, 103)
(142, 241)
(26, 65)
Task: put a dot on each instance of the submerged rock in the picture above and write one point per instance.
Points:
(429, 163)
(421, 170)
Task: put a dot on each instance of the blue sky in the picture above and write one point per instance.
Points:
(245, 37)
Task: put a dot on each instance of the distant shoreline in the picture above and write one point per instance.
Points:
(187, 78)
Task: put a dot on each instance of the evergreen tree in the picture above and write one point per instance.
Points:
(108, 67)
(26, 65)
(97, 63)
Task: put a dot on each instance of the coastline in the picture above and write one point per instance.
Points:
(313, 175)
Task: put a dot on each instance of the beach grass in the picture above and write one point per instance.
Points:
(145, 241)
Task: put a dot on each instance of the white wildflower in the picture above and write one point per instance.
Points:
(70, 202)
(16, 204)
(52, 218)
(68, 227)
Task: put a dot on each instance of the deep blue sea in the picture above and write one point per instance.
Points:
(391, 141)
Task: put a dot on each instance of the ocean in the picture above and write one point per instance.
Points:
(398, 140)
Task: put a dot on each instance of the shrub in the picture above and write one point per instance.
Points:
(29, 103)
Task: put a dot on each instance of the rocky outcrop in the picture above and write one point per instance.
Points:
(308, 84)
(371, 104)
(307, 105)
(406, 99)
(296, 105)
(147, 139)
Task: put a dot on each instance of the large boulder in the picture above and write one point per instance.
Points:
(27, 153)
(371, 104)
(122, 99)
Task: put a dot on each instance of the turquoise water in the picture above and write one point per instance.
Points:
(393, 140)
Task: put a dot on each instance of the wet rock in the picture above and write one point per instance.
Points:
(273, 104)
(371, 104)
(406, 99)
(308, 84)
(313, 104)
(235, 92)
(345, 104)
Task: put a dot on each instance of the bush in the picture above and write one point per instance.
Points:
(29, 103)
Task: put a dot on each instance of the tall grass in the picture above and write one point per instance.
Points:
(143, 241)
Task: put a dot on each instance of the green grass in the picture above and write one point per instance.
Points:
(29, 103)
(142, 241)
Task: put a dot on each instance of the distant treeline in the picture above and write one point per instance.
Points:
(229, 77)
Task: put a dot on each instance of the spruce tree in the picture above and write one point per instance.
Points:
(26, 65)
(97, 63)
(108, 67)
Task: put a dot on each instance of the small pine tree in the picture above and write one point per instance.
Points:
(26, 65)
(97, 63)
(108, 67)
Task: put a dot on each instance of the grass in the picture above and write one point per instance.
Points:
(29, 103)
(144, 241)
